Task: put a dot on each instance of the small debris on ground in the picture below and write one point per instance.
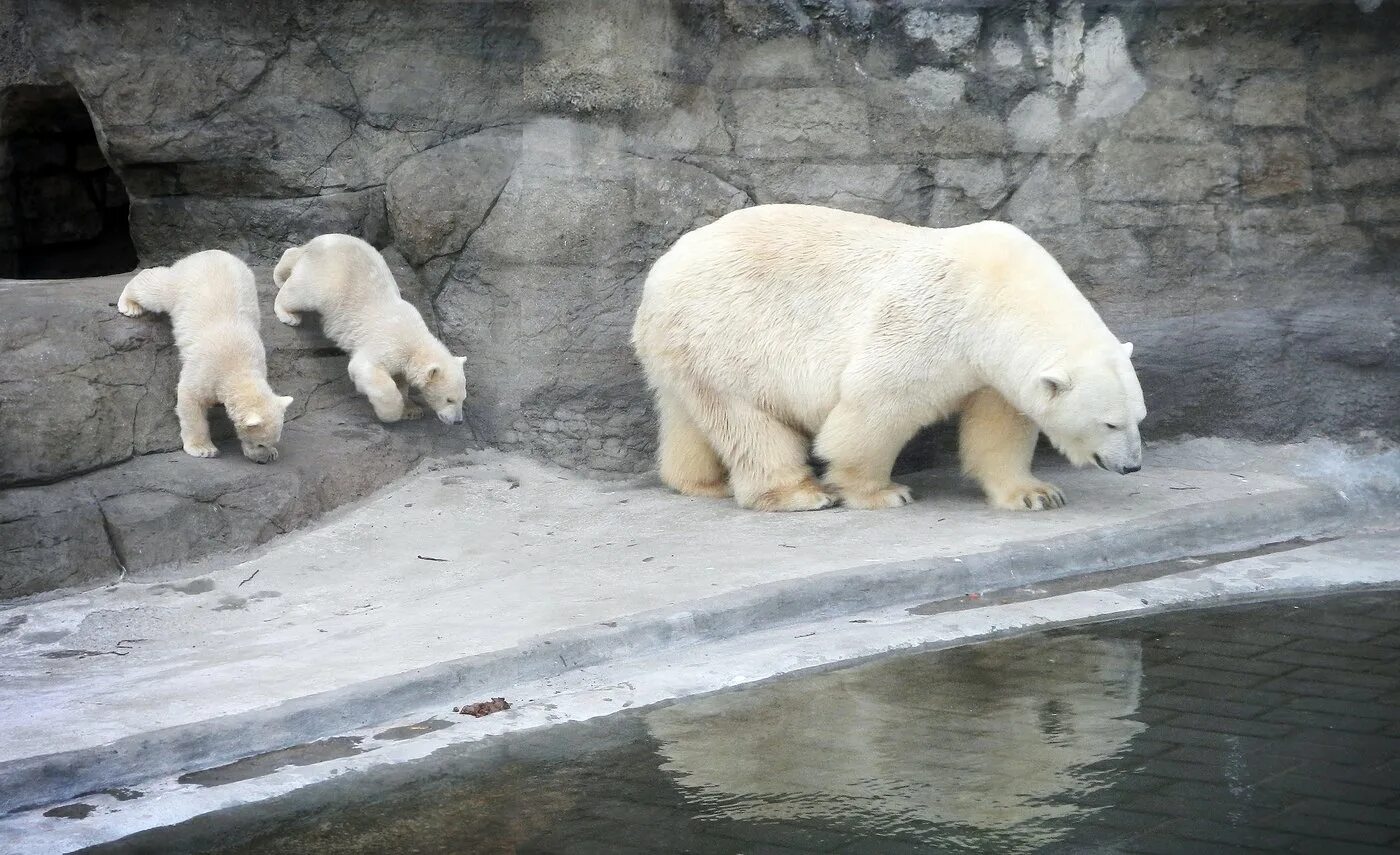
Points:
(481, 708)
(430, 558)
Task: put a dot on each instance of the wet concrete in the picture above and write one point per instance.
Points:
(412, 731)
(1105, 578)
(270, 761)
(1274, 726)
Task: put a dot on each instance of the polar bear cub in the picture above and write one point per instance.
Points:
(213, 306)
(347, 281)
(782, 324)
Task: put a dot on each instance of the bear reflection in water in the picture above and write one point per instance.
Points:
(988, 739)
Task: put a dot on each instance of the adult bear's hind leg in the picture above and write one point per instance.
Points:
(767, 459)
(687, 461)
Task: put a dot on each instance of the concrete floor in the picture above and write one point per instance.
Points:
(464, 581)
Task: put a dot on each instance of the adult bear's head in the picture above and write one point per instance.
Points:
(1090, 409)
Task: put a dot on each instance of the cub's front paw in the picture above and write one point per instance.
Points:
(129, 307)
(194, 449)
(291, 319)
(893, 496)
(1034, 496)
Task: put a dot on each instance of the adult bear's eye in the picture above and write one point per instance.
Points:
(1112, 426)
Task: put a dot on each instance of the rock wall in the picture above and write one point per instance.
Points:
(1221, 178)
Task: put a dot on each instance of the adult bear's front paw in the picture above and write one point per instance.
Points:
(1033, 496)
(805, 495)
(893, 496)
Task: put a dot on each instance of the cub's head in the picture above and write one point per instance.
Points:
(259, 426)
(442, 383)
(1091, 409)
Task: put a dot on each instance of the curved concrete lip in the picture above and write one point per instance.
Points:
(551, 581)
(1349, 563)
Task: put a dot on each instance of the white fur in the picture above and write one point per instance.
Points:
(213, 305)
(780, 325)
(347, 281)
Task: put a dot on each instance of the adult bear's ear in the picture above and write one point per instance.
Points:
(285, 401)
(1128, 349)
(462, 361)
(1055, 382)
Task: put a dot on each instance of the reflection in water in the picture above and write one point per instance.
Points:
(969, 744)
(1275, 725)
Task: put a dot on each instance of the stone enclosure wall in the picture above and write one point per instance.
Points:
(1222, 178)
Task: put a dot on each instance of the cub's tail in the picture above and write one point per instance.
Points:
(285, 264)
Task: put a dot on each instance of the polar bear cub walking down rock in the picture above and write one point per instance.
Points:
(782, 324)
(347, 281)
(213, 306)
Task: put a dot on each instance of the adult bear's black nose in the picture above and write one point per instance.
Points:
(1128, 470)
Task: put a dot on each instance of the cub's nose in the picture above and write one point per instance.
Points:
(1128, 470)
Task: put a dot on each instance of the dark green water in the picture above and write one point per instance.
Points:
(1272, 728)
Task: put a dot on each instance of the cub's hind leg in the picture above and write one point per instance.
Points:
(149, 290)
(290, 297)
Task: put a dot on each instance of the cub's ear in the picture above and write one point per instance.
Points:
(251, 420)
(285, 401)
(421, 371)
(462, 360)
(1128, 348)
(1055, 382)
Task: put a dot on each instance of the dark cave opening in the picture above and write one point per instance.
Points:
(63, 209)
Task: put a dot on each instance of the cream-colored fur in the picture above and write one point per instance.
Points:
(347, 282)
(781, 328)
(213, 306)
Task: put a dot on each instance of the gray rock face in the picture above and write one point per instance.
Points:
(80, 386)
(1223, 180)
(167, 508)
(555, 268)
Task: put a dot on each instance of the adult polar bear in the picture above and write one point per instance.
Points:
(780, 323)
